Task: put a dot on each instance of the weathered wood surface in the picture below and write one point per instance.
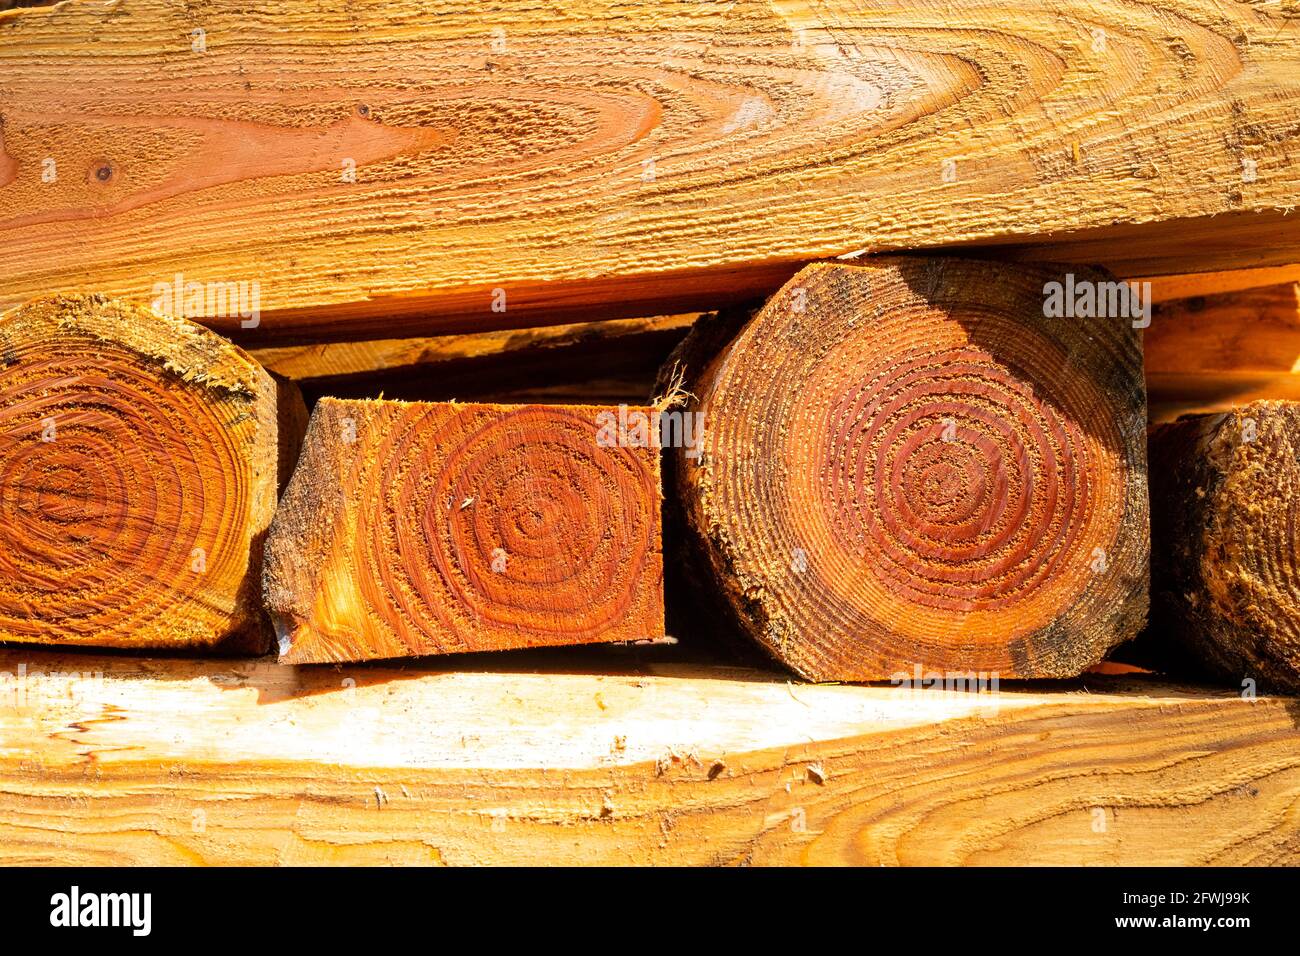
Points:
(906, 462)
(140, 461)
(189, 762)
(1225, 490)
(414, 528)
(378, 164)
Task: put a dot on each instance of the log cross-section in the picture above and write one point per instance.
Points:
(415, 528)
(140, 460)
(916, 463)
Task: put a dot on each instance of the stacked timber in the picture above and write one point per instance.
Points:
(908, 440)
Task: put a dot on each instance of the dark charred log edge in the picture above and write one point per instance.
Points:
(1185, 636)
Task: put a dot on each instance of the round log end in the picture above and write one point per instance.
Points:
(907, 465)
(415, 528)
(138, 469)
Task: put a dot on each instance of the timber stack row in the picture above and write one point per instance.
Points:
(874, 340)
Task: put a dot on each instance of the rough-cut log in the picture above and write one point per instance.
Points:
(906, 463)
(1225, 500)
(112, 761)
(649, 155)
(140, 459)
(1210, 353)
(414, 528)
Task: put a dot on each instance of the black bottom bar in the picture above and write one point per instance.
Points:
(610, 907)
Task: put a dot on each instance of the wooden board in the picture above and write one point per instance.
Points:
(1173, 394)
(375, 164)
(414, 528)
(1192, 284)
(589, 363)
(208, 762)
(1211, 353)
(1165, 253)
(494, 356)
(1249, 330)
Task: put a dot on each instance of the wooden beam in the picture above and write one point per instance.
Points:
(1193, 284)
(1251, 330)
(1224, 549)
(414, 528)
(334, 365)
(917, 462)
(589, 363)
(116, 761)
(1211, 353)
(1165, 252)
(378, 165)
(140, 461)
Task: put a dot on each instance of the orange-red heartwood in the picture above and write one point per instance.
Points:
(140, 458)
(415, 528)
(906, 464)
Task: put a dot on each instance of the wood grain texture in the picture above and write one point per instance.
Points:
(649, 156)
(1225, 562)
(1212, 353)
(140, 461)
(491, 355)
(114, 761)
(907, 463)
(431, 528)
(1251, 330)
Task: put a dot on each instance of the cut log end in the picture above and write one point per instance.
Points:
(1225, 571)
(431, 528)
(139, 465)
(908, 465)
